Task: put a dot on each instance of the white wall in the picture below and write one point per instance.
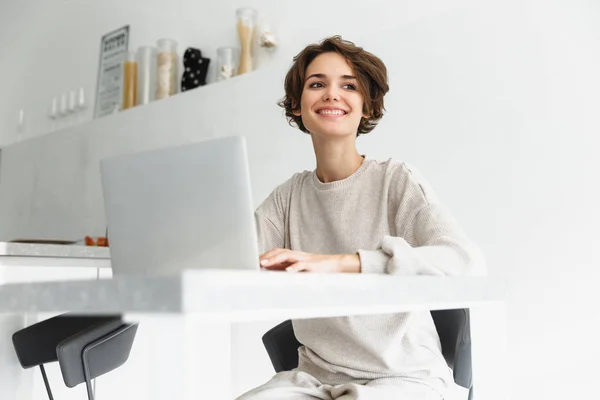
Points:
(59, 49)
(496, 104)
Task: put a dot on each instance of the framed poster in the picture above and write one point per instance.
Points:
(113, 49)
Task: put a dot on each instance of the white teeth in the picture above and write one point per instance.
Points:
(332, 112)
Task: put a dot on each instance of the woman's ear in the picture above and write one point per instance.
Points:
(365, 113)
(295, 109)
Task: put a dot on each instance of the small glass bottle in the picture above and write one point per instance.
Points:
(146, 59)
(129, 81)
(166, 84)
(227, 62)
(246, 21)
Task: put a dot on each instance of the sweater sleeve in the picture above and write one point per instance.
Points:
(429, 242)
(433, 244)
(269, 232)
(271, 216)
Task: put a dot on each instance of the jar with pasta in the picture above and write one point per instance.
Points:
(129, 82)
(246, 21)
(166, 84)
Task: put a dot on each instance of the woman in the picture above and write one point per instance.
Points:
(356, 215)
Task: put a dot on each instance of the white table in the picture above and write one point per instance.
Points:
(197, 307)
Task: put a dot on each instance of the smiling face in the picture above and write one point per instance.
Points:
(331, 104)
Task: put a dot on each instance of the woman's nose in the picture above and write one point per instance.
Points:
(331, 94)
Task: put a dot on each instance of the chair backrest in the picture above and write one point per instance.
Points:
(36, 344)
(282, 346)
(82, 345)
(453, 327)
(95, 351)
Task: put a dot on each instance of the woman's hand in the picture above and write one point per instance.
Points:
(296, 261)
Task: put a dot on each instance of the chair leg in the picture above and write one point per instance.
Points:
(86, 375)
(90, 391)
(46, 383)
(86, 371)
(85, 360)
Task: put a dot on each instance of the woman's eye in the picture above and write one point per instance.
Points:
(316, 85)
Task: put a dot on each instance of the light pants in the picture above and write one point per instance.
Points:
(297, 385)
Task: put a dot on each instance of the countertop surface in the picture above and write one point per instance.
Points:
(12, 249)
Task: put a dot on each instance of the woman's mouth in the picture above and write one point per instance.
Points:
(331, 112)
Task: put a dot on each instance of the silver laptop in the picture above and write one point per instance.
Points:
(182, 207)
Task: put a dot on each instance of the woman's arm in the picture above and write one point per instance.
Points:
(269, 229)
(428, 241)
(271, 216)
(432, 244)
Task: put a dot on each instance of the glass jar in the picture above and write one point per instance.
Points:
(146, 59)
(129, 82)
(246, 21)
(166, 83)
(227, 62)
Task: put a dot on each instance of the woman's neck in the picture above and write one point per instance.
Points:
(336, 159)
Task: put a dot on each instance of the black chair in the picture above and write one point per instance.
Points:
(85, 347)
(453, 327)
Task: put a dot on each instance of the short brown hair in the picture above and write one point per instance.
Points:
(370, 72)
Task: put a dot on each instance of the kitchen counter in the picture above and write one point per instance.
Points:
(16, 249)
(40, 254)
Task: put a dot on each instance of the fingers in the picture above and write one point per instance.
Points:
(284, 257)
(271, 253)
(300, 266)
(265, 259)
(297, 261)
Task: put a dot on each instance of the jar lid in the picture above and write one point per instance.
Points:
(166, 44)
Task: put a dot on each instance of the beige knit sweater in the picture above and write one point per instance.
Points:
(388, 215)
